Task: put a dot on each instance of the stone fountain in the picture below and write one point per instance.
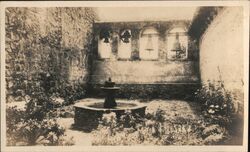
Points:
(89, 111)
(109, 90)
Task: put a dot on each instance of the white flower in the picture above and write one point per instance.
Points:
(57, 100)
(211, 106)
(211, 111)
(27, 98)
(109, 116)
(128, 111)
(149, 123)
(27, 127)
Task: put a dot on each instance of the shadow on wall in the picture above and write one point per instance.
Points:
(149, 91)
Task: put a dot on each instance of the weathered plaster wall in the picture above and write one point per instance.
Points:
(221, 50)
(144, 72)
(139, 71)
(143, 78)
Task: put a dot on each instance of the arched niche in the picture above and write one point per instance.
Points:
(124, 46)
(177, 43)
(149, 41)
(104, 44)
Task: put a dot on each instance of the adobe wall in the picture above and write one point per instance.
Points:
(221, 51)
(139, 72)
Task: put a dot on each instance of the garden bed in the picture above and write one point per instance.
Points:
(167, 122)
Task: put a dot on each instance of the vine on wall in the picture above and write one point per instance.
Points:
(36, 40)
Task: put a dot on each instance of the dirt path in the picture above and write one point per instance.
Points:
(80, 138)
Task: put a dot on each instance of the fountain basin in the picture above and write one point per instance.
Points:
(88, 112)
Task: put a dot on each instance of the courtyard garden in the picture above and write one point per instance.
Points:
(46, 119)
(189, 95)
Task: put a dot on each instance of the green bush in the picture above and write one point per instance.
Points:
(32, 131)
(217, 103)
(156, 129)
(36, 124)
(13, 117)
(71, 92)
(29, 129)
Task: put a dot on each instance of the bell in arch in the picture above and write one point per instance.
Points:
(149, 46)
(106, 40)
(105, 34)
(126, 36)
(177, 45)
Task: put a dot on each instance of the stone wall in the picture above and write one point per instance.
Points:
(144, 72)
(55, 46)
(145, 75)
(221, 51)
(41, 45)
(76, 41)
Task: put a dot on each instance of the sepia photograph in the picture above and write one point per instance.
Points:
(124, 76)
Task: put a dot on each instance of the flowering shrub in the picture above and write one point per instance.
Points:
(35, 124)
(217, 103)
(32, 131)
(156, 129)
(24, 129)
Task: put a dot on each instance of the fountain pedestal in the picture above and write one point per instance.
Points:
(109, 89)
(109, 101)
